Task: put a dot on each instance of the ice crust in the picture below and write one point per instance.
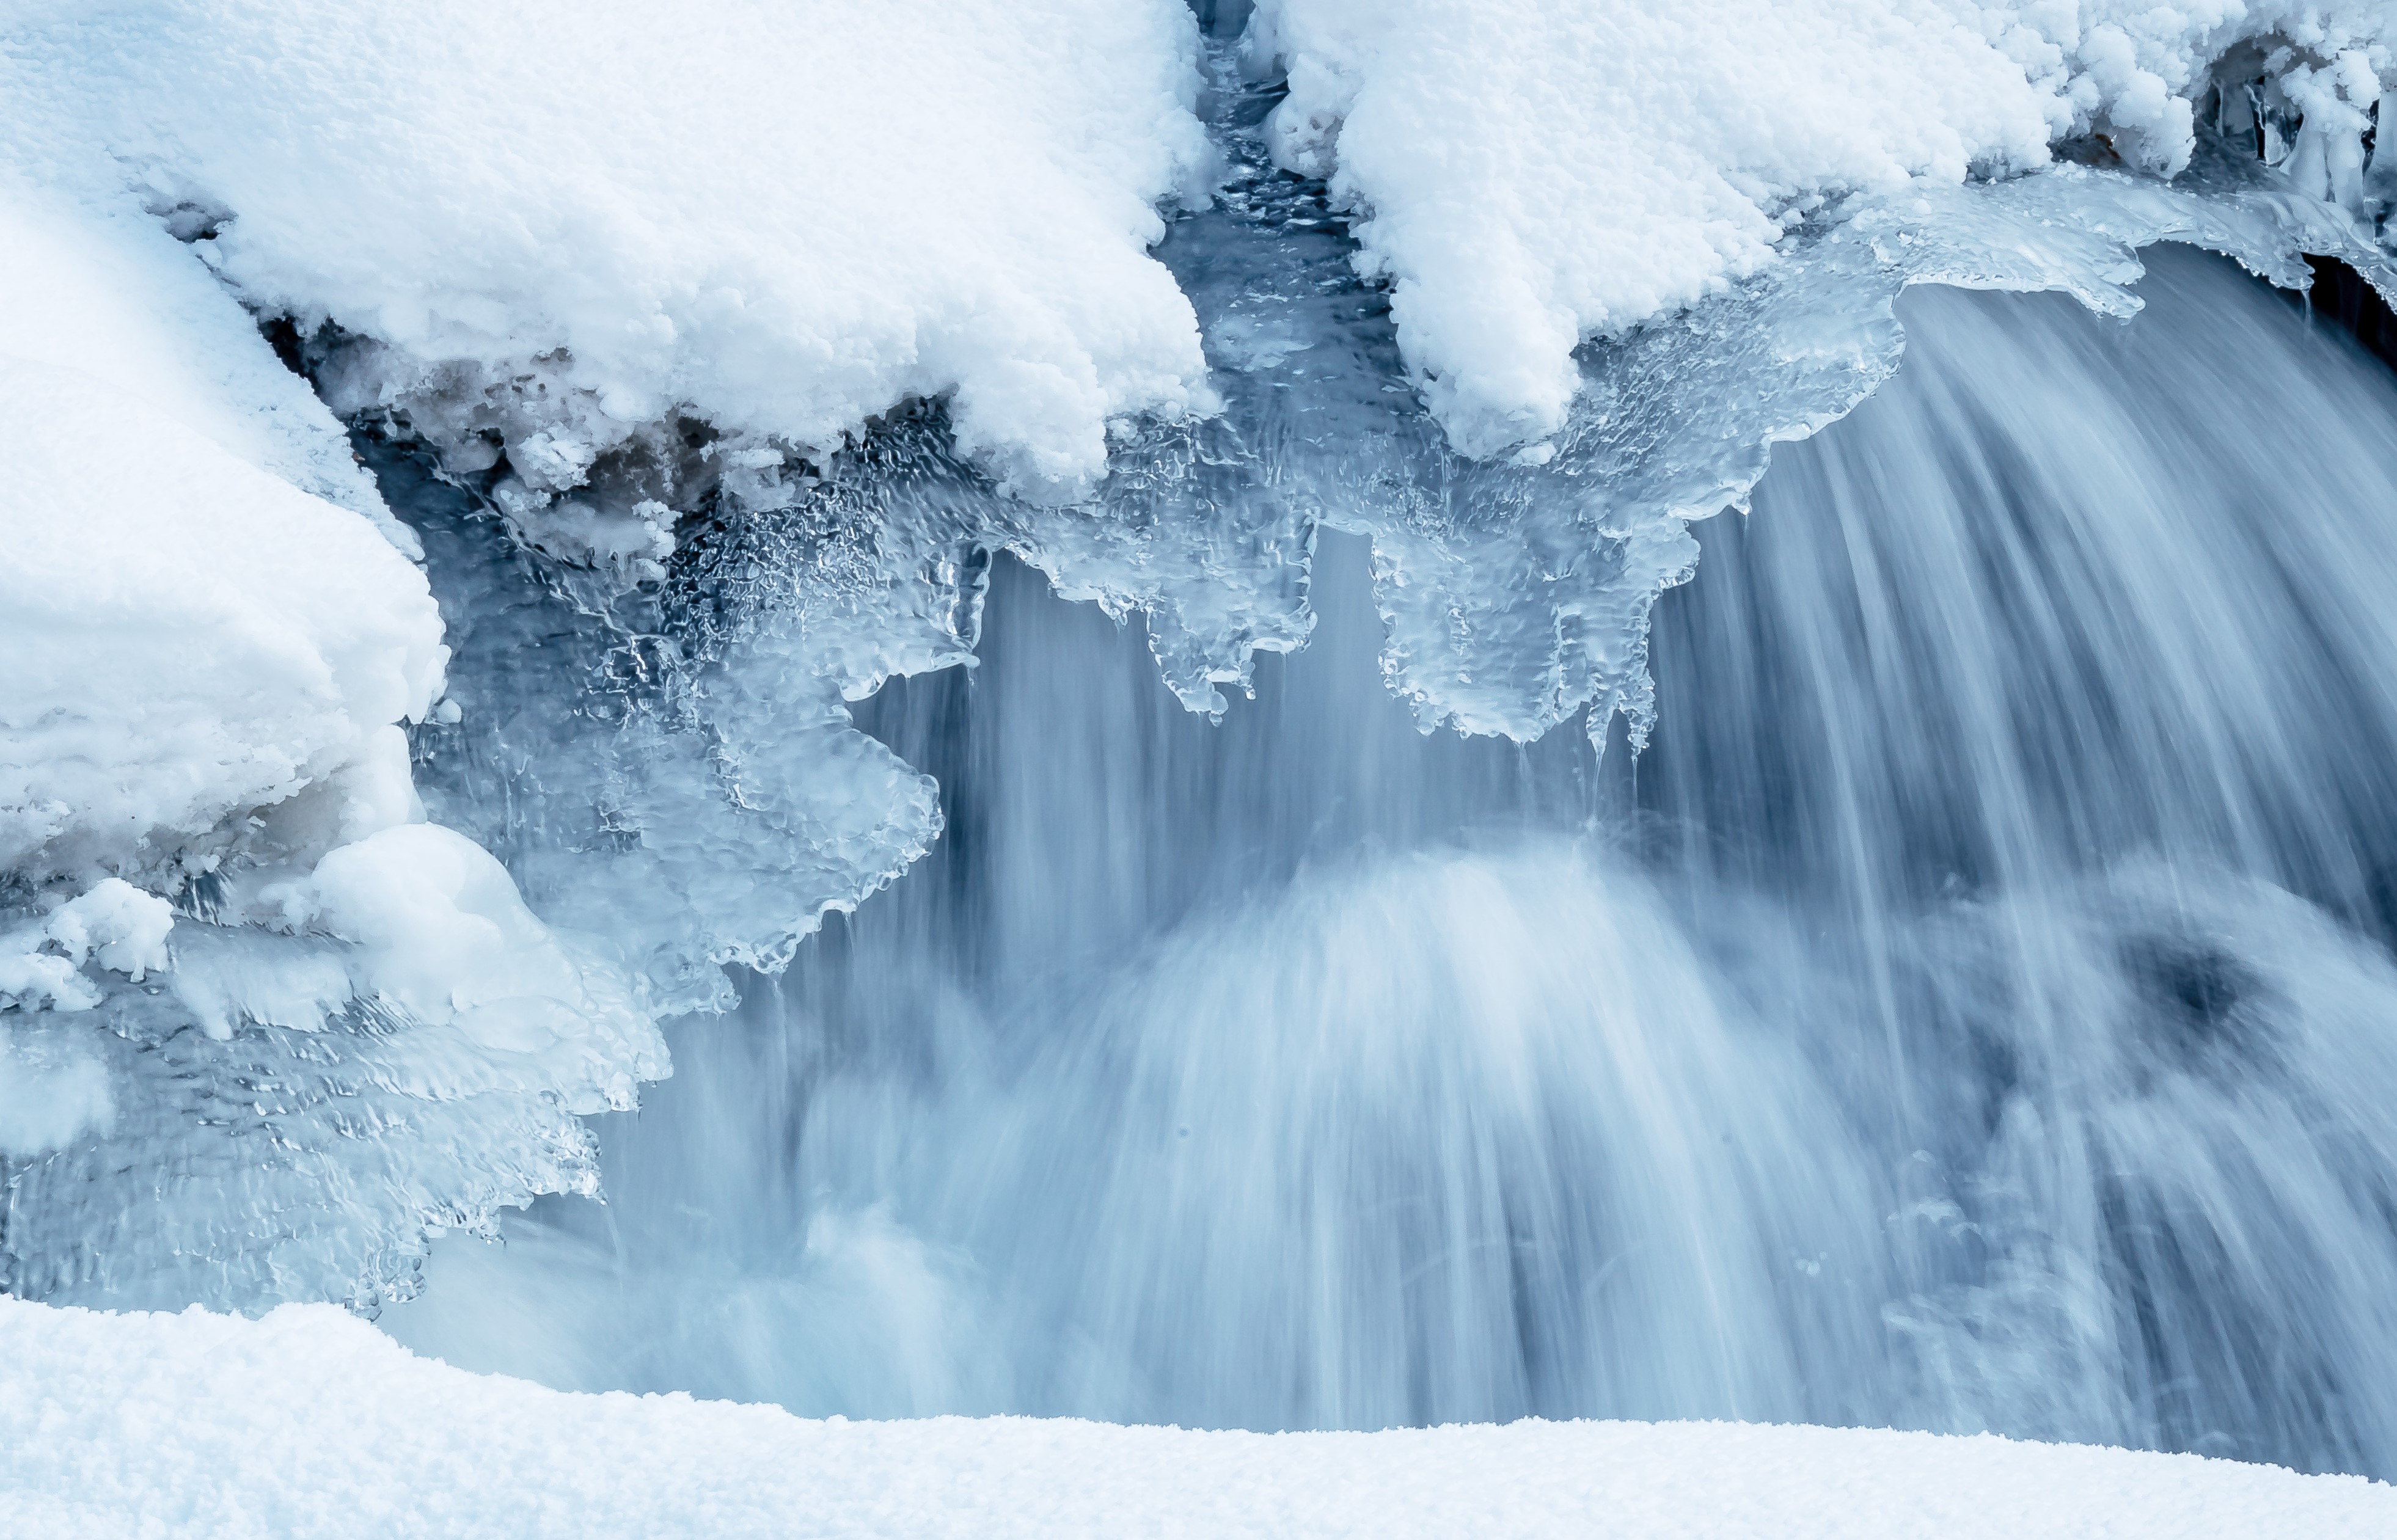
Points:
(310, 1422)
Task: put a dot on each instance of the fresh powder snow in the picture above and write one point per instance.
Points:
(779, 218)
(311, 1423)
(1530, 173)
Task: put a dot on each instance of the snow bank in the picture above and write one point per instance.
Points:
(100, 284)
(188, 635)
(1532, 173)
(566, 224)
(309, 1422)
(214, 634)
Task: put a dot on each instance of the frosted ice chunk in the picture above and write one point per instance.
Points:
(443, 933)
(114, 925)
(117, 925)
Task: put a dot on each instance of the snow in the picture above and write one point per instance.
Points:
(216, 631)
(100, 287)
(189, 635)
(309, 1422)
(569, 224)
(1529, 174)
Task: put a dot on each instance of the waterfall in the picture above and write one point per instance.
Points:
(1974, 1011)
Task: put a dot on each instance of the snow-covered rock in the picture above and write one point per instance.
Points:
(1532, 173)
(572, 225)
(189, 636)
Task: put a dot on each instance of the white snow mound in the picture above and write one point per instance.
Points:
(310, 1422)
(1534, 172)
(100, 286)
(188, 636)
(780, 217)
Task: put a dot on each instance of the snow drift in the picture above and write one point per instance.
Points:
(1529, 174)
(309, 1423)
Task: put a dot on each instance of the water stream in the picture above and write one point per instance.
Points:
(1973, 1010)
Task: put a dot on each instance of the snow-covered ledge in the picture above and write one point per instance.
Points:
(310, 1422)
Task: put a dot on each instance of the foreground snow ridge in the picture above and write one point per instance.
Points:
(310, 1422)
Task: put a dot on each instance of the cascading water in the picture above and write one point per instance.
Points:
(1972, 1011)
(2052, 694)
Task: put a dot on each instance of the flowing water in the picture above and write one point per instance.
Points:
(1973, 1010)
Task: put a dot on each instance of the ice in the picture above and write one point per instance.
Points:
(1303, 1069)
(52, 1093)
(713, 358)
(308, 1422)
(1515, 593)
(703, 802)
(736, 804)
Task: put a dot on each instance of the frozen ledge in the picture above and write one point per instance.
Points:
(310, 1422)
